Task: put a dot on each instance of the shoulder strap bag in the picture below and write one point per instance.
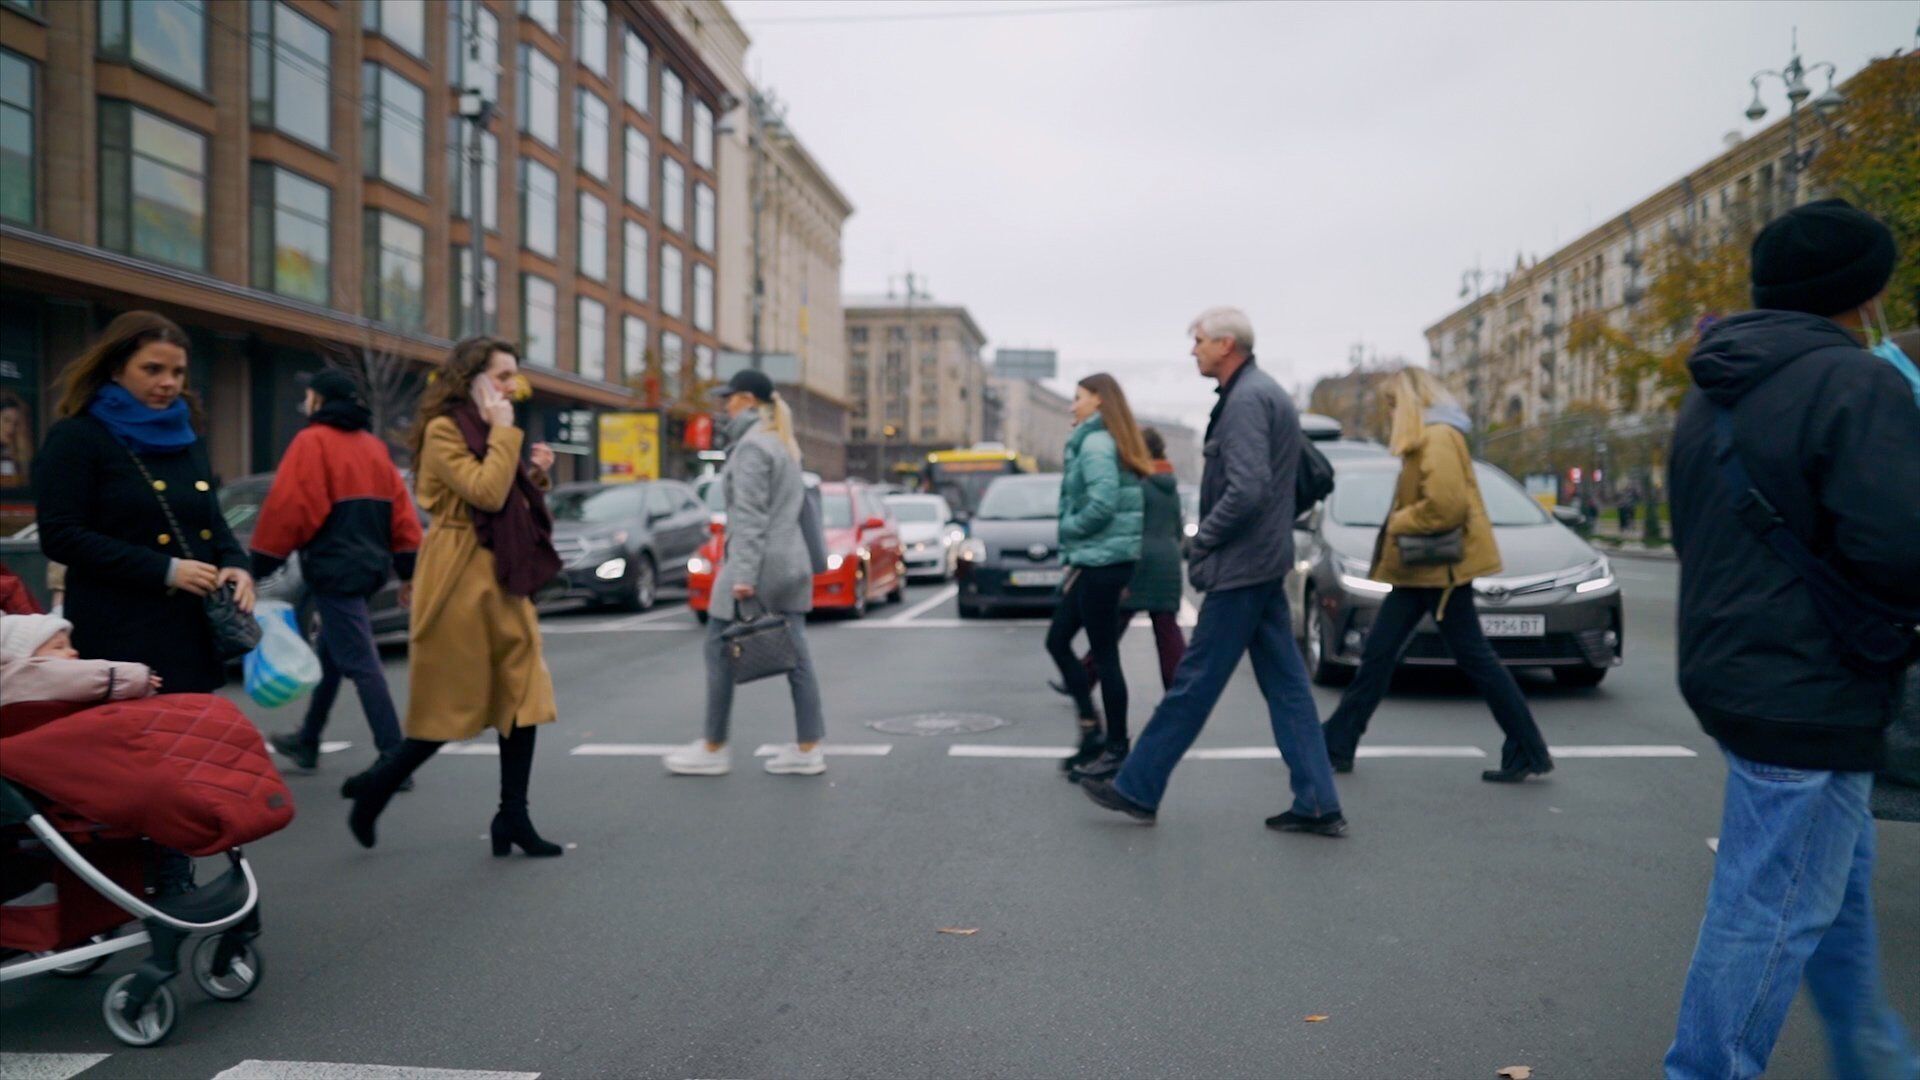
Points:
(760, 646)
(235, 633)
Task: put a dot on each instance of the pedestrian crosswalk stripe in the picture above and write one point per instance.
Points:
(1269, 753)
(926, 605)
(328, 1070)
(990, 750)
(1713, 844)
(472, 749)
(46, 1066)
(631, 749)
(1622, 751)
(1419, 752)
(839, 749)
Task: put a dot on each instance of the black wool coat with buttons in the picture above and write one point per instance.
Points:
(102, 519)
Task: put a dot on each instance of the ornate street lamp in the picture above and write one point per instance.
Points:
(1794, 78)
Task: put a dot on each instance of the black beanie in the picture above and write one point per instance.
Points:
(1824, 258)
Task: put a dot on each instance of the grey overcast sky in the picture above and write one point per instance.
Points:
(1090, 180)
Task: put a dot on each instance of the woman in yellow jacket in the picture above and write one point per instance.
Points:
(476, 660)
(1436, 540)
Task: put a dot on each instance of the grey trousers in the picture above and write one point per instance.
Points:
(809, 723)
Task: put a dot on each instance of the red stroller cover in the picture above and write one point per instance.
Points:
(187, 770)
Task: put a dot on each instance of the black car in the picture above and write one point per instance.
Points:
(619, 543)
(1554, 605)
(1011, 557)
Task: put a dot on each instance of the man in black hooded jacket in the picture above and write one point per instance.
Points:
(1830, 435)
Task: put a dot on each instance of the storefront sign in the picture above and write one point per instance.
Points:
(629, 447)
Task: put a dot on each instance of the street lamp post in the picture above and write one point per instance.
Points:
(478, 112)
(1794, 78)
(766, 119)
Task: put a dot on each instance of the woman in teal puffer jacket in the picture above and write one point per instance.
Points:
(1101, 520)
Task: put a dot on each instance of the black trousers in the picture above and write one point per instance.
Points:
(516, 764)
(1092, 604)
(1399, 617)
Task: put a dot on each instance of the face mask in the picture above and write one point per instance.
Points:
(1886, 350)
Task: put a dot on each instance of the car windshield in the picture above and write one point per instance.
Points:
(1362, 497)
(593, 505)
(715, 496)
(915, 512)
(240, 504)
(837, 508)
(1027, 498)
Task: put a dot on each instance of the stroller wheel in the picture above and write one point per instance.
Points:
(155, 1022)
(243, 974)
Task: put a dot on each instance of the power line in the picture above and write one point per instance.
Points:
(990, 13)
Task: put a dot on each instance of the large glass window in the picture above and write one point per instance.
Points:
(703, 223)
(153, 187)
(292, 234)
(590, 359)
(544, 12)
(167, 37)
(672, 282)
(292, 81)
(673, 194)
(539, 208)
(703, 297)
(593, 237)
(19, 171)
(590, 129)
(403, 22)
(705, 368)
(463, 293)
(639, 170)
(633, 347)
(634, 241)
(539, 320)
(484, 75)
(702, 135)
(459, 136)
(539, 96)
(673, 363)
(673, 106)
(394, 118)
(396, 270)
(635, 82)
(590, 35)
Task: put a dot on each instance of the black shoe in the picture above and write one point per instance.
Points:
(353, 785)
(1104, 767)
(1103, 794)
(372, 790)
(303, 756)
(1515, 775)
(513, 827)
(1324, 825)
(1341, 764)
(1092, 743)
(1059, 687)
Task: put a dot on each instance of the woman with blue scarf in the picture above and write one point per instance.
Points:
(137, 570)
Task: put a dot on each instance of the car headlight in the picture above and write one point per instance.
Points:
(1192, 529)
(1353, 575)
(973, 551)
(1592, 577)
(611, 570)
(835, 562)
(698, 565)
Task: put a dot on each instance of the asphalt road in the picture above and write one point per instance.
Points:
(777, 926)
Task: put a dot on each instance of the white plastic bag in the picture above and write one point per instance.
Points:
(283, 668)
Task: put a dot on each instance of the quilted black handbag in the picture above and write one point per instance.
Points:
(760, 647)
(235, 633)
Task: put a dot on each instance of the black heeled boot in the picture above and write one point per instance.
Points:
(380, 783)
(1106, 766)
(1092, 742)
(511, 826)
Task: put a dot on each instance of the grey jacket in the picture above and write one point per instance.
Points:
(1246, 491)
(765, 547)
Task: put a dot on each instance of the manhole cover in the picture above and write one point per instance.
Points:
(938, 724)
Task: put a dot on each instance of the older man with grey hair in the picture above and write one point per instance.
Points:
(1239, 558)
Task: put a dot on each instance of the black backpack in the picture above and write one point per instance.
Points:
(1313, 482)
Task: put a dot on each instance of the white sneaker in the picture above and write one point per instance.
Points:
(696, 760)
(790, 760)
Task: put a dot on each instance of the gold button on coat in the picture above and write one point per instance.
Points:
(201, 485)
(206, 534)
(165, 538)
(159, 485)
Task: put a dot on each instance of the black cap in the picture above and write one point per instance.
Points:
(332, 384)
(1824, 258)
(747, 381)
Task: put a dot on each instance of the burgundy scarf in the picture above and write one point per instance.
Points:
(521, 534)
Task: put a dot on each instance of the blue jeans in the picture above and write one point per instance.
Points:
(347, 651)
(1789, 899)
(1234, 622)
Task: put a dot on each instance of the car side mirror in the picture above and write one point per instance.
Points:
(1569, 516)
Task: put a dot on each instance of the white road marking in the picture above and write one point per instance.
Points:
(949, 624)
(1622, 752)
(606, 626)
(1215, 753)
(1713, 844)
(837, 749)
(334, 746)
(990, 750)
(329, 1070)
(46, 1066)
(661, 615)
(472, 749)
(631, 749)
(1419, 752)
(927, 605)
(1189, 615)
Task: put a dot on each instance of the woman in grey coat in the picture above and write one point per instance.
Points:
(765, 568)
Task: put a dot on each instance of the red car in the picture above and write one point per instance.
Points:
(865, 559)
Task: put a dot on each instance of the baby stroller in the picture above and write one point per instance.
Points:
(186, 771)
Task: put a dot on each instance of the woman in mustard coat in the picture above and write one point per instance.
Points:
(476, 659)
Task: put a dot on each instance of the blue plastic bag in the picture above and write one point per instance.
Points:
(283, 668)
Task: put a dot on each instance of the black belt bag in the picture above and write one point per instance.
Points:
(1433, 549)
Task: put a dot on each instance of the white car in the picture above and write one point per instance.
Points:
(929, 536)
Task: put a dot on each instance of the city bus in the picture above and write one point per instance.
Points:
(961, 476)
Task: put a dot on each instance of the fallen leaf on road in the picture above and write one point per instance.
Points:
(1316, 1019)
(1516, 1072)
(958, 931)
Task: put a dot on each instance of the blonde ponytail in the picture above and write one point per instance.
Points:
(778, 417)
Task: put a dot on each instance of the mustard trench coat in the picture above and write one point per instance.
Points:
(1437, 493)
(476, 660)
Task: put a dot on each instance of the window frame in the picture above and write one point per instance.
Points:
(627, 227)
(375, 108)
(32, 112)
(264, 235)
(125, 196)
(527, 280)
(673, 211)
(523, 97)
(627, 58)
(673, 285)
(672, 120)
(266, 64)
(706, 224)
(125, 53)
(490, 313)
(457, 51)
(526, 9)
(704, 303)
(582, 198)
(527, 164)
(581, 45)
(633, 367)
(584, 130)
(581, 350)
(373, 20)
(457, 179)
(702, 147)
(643, 175)
(673, 363)
(375, 246)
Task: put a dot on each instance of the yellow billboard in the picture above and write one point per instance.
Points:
(629, 447)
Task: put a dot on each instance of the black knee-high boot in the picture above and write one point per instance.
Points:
(511, 825)
(382, 781)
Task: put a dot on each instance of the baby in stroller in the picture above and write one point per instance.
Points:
(91, 797)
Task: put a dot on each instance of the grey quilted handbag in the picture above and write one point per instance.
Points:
(760, 647)
(1433, 549)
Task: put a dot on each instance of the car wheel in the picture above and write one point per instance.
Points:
(971, 611)
(1325, 671)
(899, 593)
(859, 609)
(643, 585)
(1580, 678)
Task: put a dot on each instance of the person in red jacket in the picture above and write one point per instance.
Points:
(338, 500)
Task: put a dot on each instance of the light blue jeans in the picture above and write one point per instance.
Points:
(1790, 899)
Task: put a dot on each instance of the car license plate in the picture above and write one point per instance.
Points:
(1035, 579)
(1513, 625)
